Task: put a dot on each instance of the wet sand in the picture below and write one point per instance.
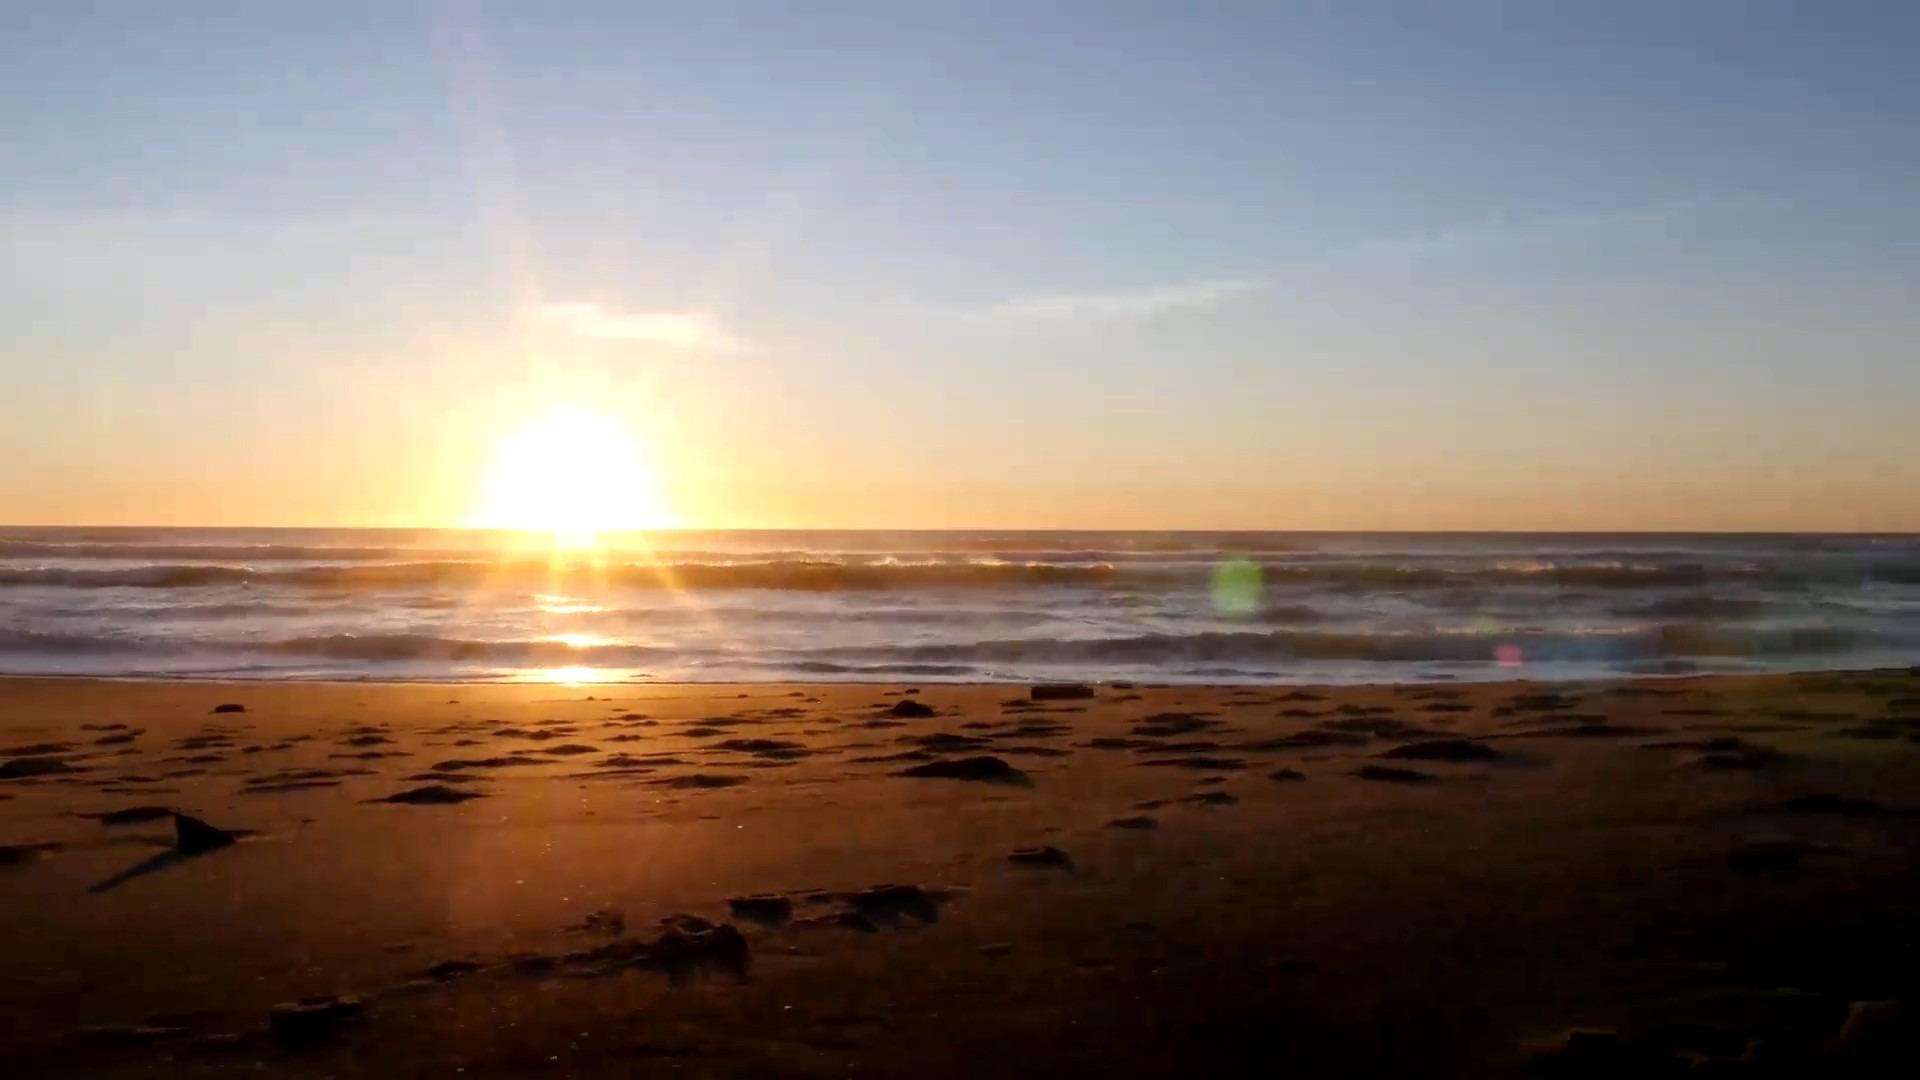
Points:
(1714, 876)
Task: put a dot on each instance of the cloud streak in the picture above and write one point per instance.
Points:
(1140, 303)
(1494, 235)
(1550, 229)
(690, 331)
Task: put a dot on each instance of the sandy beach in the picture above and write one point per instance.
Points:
(1628, 878)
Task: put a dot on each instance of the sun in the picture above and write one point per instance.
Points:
(574, 474)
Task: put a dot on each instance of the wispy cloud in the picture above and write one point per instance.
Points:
(687, 330)
(1131, 303)
(1489, 235)
(1545, 230)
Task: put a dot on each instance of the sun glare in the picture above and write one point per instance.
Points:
(572, 474)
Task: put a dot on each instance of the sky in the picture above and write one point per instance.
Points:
(1456, 265)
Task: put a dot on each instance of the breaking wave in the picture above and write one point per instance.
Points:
(1655, 642)
(1698, 640)
(35, 641)
(812, 576)
(829, 575)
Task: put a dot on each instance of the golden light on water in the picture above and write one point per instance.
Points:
(572, 474)
(565, 479)
(570, 675)
(565, 605)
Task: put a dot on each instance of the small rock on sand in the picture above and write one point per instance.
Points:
(313, 1019)
(1603, 730)
(1286, 775)
(454, 764)
(531, 964)
(1543, 702)
(1309, 740)
(36, 749)
(689, 942)
(1391, 775)
(896, 900)
(1060, 692)
(1444, 750)
(700, 781)
(431, 795)
(947, 740)
(570, 749)
(907, 707)
(1384, 727)
(762, 907)
(446, 970)
(608, 921)
(984, 767)
(17, 768)
(229, 707)
(192, 836)
(132, 815)
(1160, 725)
(1198, 762)
(1825, 803)
(842, 920)
(768, 748)
(1045, 855)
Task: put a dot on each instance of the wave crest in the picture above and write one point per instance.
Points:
(812, 576)
(1431, 646)
(820, 575)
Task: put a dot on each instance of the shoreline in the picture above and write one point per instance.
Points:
(809, 879)
(1438, 680)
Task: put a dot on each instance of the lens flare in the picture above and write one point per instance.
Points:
(1238, 587)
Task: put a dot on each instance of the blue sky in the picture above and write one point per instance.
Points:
(1222, 265)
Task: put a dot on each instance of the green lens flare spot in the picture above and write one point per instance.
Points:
(1237, 587)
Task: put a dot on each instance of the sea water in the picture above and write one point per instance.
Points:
(970, 606)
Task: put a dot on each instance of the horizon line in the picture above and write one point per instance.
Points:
(993, 529)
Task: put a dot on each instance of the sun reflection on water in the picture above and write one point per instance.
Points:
(572, 675)
(566, 605)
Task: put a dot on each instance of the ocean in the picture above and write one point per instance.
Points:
(963, 606)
